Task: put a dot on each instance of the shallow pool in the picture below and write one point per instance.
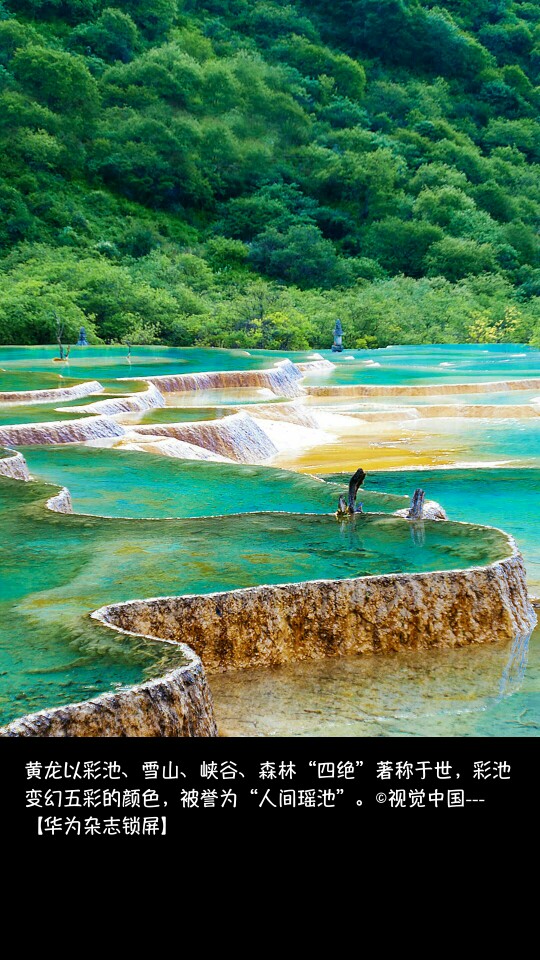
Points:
(55, 569)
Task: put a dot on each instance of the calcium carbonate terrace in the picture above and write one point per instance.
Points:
(201, 462)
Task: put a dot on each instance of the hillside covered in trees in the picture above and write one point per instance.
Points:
(242, 172)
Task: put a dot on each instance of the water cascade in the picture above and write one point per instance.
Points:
(169, 447)
(238, 437)
(135, 403)
(61, 431)
(291, 412)
(432, 389)
(316, 366)
(281, 380)
(51, 396)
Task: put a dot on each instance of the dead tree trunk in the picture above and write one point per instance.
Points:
(345, 509)
(416, 510)
(59, 325)
(355, 483)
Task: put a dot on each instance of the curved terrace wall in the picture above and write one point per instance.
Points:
(431, 389)
(282, 380)
(61, 502)
(48, 396)
(270, 625)
(178, 704)
(60, 431)
(290, 412)
(238, 437)
(134, 403)
(453, 411)
(14, 466)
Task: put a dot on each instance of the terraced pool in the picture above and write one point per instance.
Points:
(240, 524)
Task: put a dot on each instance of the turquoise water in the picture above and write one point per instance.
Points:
(486, 691)
(398, 365)
(354, 405)
(505, 498)
(473, 692)
(56, 569)
(124, 483)
(12, 379)
(44, 413)
(446, 363)
(487, 440)
(94, 363)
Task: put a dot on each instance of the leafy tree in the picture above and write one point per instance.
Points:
(225, 254)
(71, 10)
(155, 18)
(486, 329)
(496, 201)
(300, 255)
(523, 134)
(440, 206)
(402, 245)
(28, 311)
(59, 81)
(454, 258)
(112, 37)
(314, 60)
(13, 36)
(16, 221)
(378, 158)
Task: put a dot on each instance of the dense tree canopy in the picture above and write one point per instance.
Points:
(237, 172)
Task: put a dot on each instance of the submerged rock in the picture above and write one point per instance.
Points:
(430, 511)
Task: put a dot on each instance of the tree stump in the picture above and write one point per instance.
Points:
(355, 483)
(416, 509)
(348, 509)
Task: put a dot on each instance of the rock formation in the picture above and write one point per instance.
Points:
(14, 466)
(61, 502)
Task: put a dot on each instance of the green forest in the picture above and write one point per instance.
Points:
(238, 174)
